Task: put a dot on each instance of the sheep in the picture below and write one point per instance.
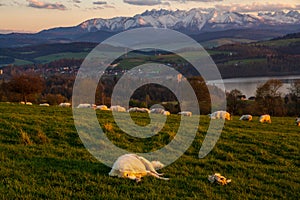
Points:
(118, 108)
(220, 115)
(219, 179)
(45, 104)
(246, 117)
(84, 105)
(64, 105)
(28, 103)
(185, 113)
(141, 110)
(265, 118)
(297, 121)
(157, 111)
(101, 107)
(166, 113)
(135, 167)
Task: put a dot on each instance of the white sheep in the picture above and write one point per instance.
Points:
(64, 105)
(298, 121)
(118, 108)
(45, 104)
(246, 117)
(185, 113)
(220, 115)
(140, 110)
(157, 111)
(265, 118)
(101, 107)
(84, 105)
(166, 113)
(135, 167)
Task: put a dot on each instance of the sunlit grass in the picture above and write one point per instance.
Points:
(261, 159)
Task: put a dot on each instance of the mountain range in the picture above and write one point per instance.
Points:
(203, 25)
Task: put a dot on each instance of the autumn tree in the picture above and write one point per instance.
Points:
(26, 85)
(234, 102)
(295, 95)
(202, 93)
(268, 97)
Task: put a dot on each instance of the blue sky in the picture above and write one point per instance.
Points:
(36, 15)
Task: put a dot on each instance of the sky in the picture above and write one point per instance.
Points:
(36, 15)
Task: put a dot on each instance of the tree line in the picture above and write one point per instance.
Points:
(58, 88)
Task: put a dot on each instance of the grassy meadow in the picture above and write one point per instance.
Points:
(42, 157)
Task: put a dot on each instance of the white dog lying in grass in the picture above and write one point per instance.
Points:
(135, 167)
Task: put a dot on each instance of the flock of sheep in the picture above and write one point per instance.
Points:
(226, 115)
(215, 115)
(135, 167)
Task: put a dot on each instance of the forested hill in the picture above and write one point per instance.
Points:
(266, 58)
(275, 57)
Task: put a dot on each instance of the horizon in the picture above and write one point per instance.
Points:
(32, 16)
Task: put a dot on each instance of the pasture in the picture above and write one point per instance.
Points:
(42, 157)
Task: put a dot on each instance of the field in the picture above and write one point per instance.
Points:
(42, 157)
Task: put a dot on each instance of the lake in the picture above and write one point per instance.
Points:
(248, 85)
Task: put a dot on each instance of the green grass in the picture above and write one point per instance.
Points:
(261, 159)
(247, 61)
(22, 62)
(58, 56)
(224, 41)
(280, 43)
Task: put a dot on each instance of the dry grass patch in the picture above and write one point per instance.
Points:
(24, 137)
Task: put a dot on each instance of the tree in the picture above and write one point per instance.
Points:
(268, 97)
(233, 101)
(295, 94)
(202, 93)
(26, 85)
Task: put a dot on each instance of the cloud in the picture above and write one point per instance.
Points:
(42, 5)
(185, 1)
(256, 7)
(103, 6)
(99, 2)
(143, 2)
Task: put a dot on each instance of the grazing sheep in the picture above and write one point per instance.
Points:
(265, 118)
(246, 117)
(64, 105)
(140, 110)
(135, 167)
(45, 104)
(166, 113)
(160, 111)
(298, 121)
(118, 108)
(157, 111)
(28, 103)
(185, 113)
(101, 107)
(84, 105)
(220, 115)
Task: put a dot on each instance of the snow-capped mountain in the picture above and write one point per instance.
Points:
(280, 17)
(194, 20)
(204, 25)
